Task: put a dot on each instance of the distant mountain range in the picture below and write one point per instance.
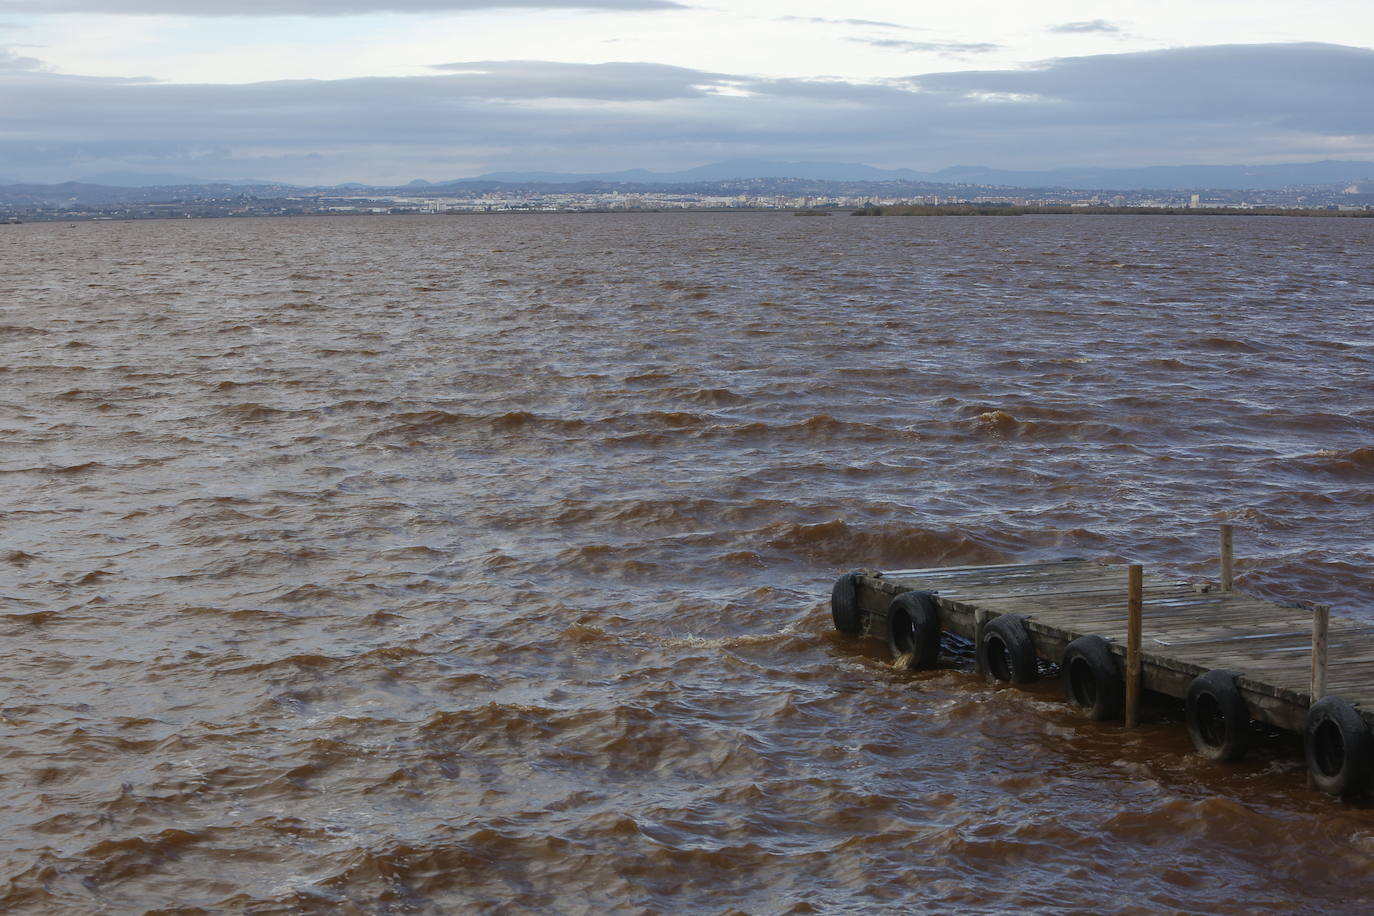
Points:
(1327, 173)
(732, 170)
(1167, 177)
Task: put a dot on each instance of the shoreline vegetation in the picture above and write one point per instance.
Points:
(1004, 210)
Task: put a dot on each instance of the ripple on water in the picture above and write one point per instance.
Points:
(478, 565)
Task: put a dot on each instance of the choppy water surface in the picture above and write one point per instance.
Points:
(480, 564)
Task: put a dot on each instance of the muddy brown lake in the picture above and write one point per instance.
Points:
(481, 563)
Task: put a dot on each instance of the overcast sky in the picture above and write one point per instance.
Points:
(324, 91)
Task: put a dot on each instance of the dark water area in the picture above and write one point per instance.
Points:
(480, 564)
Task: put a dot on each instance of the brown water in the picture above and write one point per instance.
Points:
(481, 564)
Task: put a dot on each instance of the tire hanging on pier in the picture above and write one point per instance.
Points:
(913, 629)
(1339, 747)
(1005, 650)
(1092, 678)
(844, 604)
(1218, 716)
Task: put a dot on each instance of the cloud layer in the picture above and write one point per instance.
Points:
(1085, 28)
(258, 8)
(1231, 104)
(937, 47)
(865, 23)
(12, 60)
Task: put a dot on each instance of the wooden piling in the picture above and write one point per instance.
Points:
(1321, 621)
(1134, 612)
(1228, 567)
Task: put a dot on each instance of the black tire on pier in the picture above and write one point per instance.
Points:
(1005, 650)
(1339, 746)
(844, 604)
(1092, 678)
(1218, 717)
(913, 629)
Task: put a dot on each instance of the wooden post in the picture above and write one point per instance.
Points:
(1321, 620)
(1228, 567)
(1134, 612)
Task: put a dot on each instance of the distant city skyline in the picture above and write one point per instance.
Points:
(385, 91)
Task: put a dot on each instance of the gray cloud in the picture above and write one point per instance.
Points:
(1235, 104)
(939, 47)
(1291, 86)
(869, 23)
(1075, 28)
(311, 7)
(533, 79)
(10, 60)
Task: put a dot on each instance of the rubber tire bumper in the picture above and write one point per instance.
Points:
(1005, 650)
(913, 628)
(1218, 716)
(1339, 747)
(1092, 678)
(844, 604)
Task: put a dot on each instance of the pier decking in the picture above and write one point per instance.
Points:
(1185, 632)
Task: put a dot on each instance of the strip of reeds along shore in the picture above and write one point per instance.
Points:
(1008, 210)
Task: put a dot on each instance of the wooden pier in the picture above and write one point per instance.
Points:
(1233, 658)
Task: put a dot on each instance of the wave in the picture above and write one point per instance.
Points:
(1227, 345)
(713, 397)
(132, 857)
(253, 411)
(78, 468)
(838, 543)
(515, 421)
(1002, 425)
(1345, 464)
(31, 617)
(302, 661)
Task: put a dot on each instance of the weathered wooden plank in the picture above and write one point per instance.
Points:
(1350, 675)
(1055, 584)
(1350, 678)
(1164, 594)
(1060, 592)
(1069, 604)
(1214, 653)
(1348, 632)
(1031, 588)
(1185, 619)
(947, 572)
(1071, 601)
(1258, 636)
(1162, 631)
(954, 571)
(1062, 573)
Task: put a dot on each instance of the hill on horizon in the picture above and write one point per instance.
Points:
(1325, 173)
(729, 170)
(1164, 177)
